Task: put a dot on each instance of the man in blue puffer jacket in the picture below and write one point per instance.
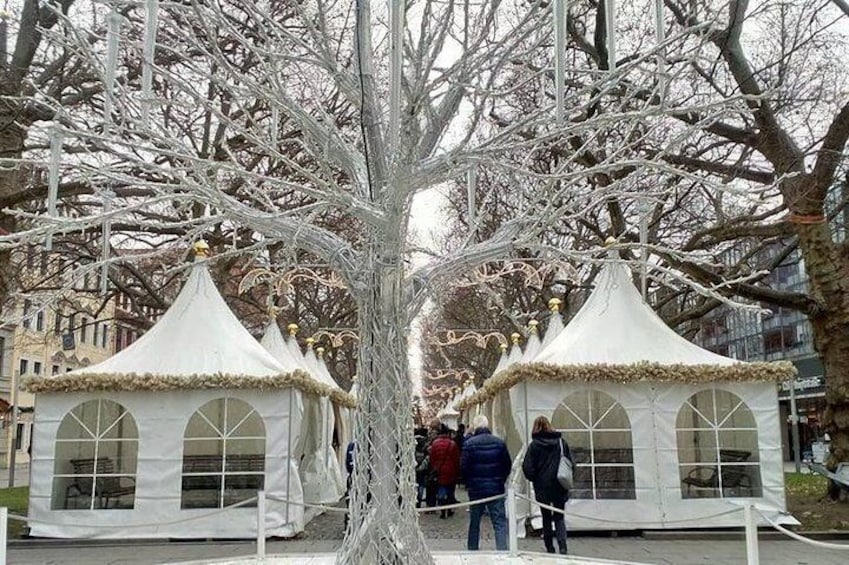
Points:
(485, 465)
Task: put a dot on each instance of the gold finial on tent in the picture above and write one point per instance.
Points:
(610, 241)
(554, 305)
(293, 329)
(503, 347)
(273, 311)
(310, 341)
(515, 337)
(201, 248)
(320, 352)
(532, 326)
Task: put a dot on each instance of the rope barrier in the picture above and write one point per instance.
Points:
(798, 537)
(130, 526)
(597, 519)
(307, 504)
(461, 504)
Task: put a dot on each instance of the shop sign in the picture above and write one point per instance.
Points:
(806, 383)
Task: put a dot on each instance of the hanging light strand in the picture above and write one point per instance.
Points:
(660, 34)
(561, 11)
(54, 164)
(113, 36)
(151, 22)
(106, 196)
(610, 25)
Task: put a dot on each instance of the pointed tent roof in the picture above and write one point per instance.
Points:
(273, 342)
(555, 324)
(534, 344)
(615, 326)
(197, 335)
(616, 337)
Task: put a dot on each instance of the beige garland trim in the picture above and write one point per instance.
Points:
(631, 373)
(133, 382)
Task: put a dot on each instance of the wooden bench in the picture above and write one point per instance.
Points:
(95, 480)
(732, 476)
(203, 472)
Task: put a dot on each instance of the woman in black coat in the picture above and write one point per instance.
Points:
(540, 467)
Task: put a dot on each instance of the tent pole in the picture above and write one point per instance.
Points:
(289, 458)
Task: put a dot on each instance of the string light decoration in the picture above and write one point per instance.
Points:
(456, 337)
(534, 277)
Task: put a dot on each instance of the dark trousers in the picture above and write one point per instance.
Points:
(553, 525)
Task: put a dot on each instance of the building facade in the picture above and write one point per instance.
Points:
(779, 334)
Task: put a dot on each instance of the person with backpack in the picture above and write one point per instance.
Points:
(422, 466)
(540, 467)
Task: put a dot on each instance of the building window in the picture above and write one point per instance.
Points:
(95, 331)
(598, 431)
(779, 339)
(36, 368)
(27, 308)
(2, 355)
(96, 458)
(72, 320)
(83, 329)
(104, 337)
(717, 447)
(19, 437)
(57, 324)
(223, 455)
(24, 368)
(39, 321)
(54, 370)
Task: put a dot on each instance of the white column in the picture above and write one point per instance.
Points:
(260, 524)
(751, 535)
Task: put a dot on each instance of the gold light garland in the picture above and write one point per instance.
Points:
(642, 371)
(134, 382)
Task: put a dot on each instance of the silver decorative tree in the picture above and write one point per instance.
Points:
(280, 117)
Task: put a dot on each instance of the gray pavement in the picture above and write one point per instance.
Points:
(324, 535)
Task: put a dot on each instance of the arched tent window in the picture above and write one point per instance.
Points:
(96, 458)
(717, 447)
(223, 455)
(598, 431)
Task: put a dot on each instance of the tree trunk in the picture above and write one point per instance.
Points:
(12, 135)
(383, 528)
(828, 274)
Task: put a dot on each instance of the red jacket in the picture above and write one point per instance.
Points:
(445, 460)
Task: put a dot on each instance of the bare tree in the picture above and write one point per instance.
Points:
(428, 85)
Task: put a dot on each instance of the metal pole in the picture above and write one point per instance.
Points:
(13, 450)
(511, 522)
(289, 457)
(4, 521)
(794, 427)
(260, 524)
(751, 535)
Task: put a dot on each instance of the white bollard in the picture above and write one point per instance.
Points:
(513, 536)
(260, 524)
(4, 524)
(751, 535)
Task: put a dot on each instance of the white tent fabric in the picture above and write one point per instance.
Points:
(323, 482)
(615, 327)
(555, 326)
(197, 336)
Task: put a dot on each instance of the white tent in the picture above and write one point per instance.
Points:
(154, 442)
(324, 462)
(664, 433)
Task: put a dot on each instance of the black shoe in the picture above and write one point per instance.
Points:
(450, 513)
(443, 514)
(563, 549)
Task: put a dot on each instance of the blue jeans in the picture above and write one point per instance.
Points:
(497, 514)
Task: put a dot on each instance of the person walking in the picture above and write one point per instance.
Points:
(485, 465)
(445, 461)
(540, 467)
(350, 461)
(422, 466)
